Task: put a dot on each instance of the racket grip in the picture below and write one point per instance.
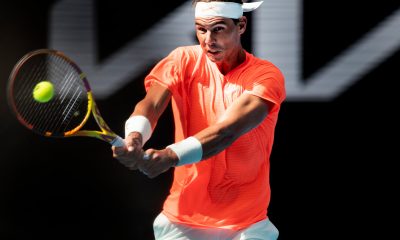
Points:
(118, 142)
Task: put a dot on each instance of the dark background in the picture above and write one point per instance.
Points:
(332, 166)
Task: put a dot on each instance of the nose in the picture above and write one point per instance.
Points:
(209, 38)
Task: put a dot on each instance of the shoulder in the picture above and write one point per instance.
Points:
(265, 79)
(263, 62)
(192, 50)
(263, 66)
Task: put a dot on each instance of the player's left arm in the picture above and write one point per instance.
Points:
(247, 112)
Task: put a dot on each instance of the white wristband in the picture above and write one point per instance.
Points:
(139, 124)
(188, 151)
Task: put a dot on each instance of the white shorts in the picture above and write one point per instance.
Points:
(167, 230)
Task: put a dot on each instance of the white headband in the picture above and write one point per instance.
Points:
(224, 9)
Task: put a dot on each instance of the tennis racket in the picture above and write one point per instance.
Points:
(71, 103)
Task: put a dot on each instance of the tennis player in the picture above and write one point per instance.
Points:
(225, 104)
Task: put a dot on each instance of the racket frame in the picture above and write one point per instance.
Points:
(106, 134)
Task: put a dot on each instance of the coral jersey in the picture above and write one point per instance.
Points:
(231, 189)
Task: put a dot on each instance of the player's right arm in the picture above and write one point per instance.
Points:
(149, 108)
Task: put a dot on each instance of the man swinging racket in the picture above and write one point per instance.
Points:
(225, 104)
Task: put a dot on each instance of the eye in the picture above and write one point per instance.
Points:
(218, 29)
(201, 30)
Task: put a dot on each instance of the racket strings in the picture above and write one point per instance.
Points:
(27, 108)
(71, 92)
(43, 116)
(67, 108)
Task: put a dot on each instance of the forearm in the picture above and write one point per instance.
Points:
(147, 112)
(154, 104)
(248, 112)
(215, 139)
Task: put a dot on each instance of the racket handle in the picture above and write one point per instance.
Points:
(118, 142)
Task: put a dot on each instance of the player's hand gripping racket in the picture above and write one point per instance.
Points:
(50, 95)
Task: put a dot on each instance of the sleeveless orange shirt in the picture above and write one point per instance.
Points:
(231, 189)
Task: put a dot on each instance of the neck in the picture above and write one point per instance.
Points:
(232, 61)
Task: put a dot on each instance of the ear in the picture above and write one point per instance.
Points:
(242, 24)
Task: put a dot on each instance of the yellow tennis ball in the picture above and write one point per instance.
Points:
(43, 91)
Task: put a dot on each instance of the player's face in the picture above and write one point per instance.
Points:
(219, 37)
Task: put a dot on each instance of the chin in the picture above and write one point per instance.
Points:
(215, 59)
